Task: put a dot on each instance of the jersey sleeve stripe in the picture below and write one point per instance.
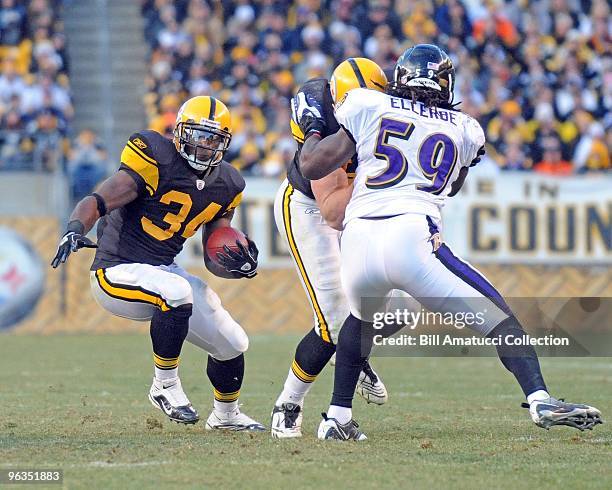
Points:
(296, 132)
(235, 203)
(146, 170)
(141, 153)
(358, 74)
(323, 326)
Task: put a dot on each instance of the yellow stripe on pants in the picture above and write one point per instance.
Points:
(129, 294)
(323, 327)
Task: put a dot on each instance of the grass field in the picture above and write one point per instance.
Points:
(79, 403)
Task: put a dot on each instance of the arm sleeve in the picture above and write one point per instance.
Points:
(138, 159)
(473, 140)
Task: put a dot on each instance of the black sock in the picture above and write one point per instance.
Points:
(352, 351)
(168, 332)
(226, 377)
(311, 356)
(521, 360)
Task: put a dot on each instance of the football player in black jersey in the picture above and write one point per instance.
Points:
(162, 193)
(309, 214)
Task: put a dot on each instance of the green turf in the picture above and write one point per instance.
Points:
(80, 403)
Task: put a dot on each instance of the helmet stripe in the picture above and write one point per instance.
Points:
(213, 108)
(355, 67)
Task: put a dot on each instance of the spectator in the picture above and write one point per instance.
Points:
(86, 164)
(12, 22)
(552, 162)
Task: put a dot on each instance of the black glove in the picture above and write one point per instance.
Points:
(307, 107)
(72, 240)
(479, 153)
(242, 263)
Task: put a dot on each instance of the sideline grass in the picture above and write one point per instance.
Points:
(80, 403)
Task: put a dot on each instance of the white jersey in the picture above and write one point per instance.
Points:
(408, 154)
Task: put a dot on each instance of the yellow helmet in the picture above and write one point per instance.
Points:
(353, 73)
(203, 132)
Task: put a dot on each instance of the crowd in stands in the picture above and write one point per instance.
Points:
(35, 105)
(537, 75)
(35, 102)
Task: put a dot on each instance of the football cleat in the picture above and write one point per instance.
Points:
(550, 411)
(287, 421)
(234, 420)
(370, 386)
(169, 397)
(331, 429)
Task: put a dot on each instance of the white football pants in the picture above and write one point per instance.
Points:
(379, 255)
(134, 291)
(315, 249)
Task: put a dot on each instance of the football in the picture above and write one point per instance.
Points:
(219, 238)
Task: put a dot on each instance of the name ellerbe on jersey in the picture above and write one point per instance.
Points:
(421, 110)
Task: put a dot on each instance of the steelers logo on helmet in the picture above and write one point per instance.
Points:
(203, 132)
(354, 73)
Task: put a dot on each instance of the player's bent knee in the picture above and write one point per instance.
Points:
(177, 292)
(237, 343)
(240, 341)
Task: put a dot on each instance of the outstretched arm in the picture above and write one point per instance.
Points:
(320, 157)
(115, 192)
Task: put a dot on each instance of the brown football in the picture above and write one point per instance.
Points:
(225, 235)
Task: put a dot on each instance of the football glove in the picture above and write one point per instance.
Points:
(479, 153)
(307, 111)
(242, 263)
(70, 242)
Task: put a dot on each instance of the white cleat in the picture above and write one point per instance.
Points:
(232, 421)
(370, 386)
(286, 421)
(549, 412)
(169, 397)
(331, 429)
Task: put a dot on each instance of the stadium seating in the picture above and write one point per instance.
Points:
(35, 106)
(533, 73)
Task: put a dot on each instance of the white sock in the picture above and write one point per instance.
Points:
(342, 414)
(165, 374)
(294, 390)
(225, 406)
(537, 395)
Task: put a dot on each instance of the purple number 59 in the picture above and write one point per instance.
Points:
(436, 156)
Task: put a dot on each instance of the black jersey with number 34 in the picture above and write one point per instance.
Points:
(172, 204)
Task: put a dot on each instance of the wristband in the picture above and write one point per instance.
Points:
(313, 132)
(75, 226)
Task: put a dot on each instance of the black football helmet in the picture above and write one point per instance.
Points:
(424, 73)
